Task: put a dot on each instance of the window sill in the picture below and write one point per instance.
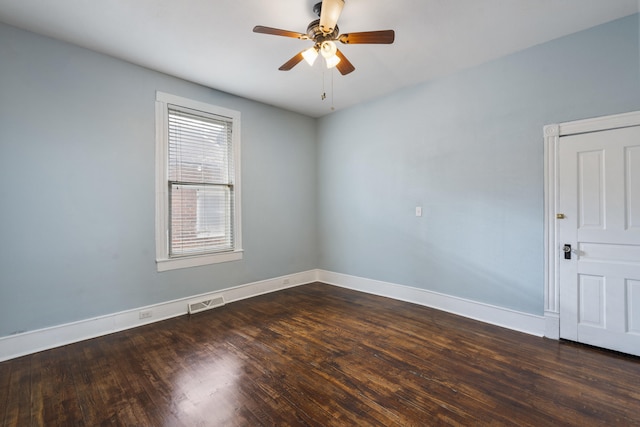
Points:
(196, 261)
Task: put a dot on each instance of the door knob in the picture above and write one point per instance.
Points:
(567, 251)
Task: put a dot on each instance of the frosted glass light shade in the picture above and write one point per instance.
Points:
(328, 49)
(310, 55)
(332, 61)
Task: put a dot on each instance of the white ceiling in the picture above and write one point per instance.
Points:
(211, 41)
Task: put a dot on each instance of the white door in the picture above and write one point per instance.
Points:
(599, 195)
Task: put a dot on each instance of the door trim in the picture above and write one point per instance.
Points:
(552, 134)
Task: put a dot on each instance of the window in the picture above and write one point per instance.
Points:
(197, 183)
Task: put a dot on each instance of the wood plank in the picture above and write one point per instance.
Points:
(18, 409)
(5, 378)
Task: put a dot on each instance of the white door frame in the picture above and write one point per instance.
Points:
(552, 134)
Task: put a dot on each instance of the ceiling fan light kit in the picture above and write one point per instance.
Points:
(328, 50)
(324, 33)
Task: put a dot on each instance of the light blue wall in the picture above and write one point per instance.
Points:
(77, 178)
(77, 191)
(468, 149)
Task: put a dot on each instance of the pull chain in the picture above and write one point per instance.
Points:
(332, 105)
(323, 96)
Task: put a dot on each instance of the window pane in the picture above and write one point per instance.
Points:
(200, 182)
(199, 148)
(201, 219)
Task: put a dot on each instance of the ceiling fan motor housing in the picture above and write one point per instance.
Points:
(315, 34)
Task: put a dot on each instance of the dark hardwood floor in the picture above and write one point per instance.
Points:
(323, 356)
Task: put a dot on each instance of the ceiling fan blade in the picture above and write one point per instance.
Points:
(278, 32)
(344, 66)
(329, 14)
(292, 62)
(369, 37)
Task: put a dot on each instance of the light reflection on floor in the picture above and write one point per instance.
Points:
(209, 389)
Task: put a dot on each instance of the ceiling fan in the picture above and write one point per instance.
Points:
(324, 33)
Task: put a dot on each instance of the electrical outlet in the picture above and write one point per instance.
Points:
(145, 314)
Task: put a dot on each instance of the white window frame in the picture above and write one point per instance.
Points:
(163, 261)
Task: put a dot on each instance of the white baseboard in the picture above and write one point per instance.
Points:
(43, 339)
(13, 346)
(552, 321)
(510, 319)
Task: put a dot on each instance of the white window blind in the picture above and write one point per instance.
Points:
(200, 182)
